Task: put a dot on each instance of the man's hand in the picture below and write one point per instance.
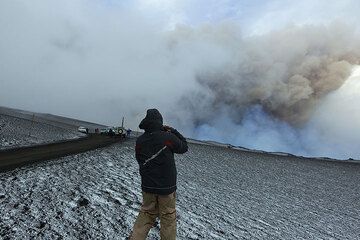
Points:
(167, 128)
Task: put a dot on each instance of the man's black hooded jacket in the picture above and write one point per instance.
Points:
(155, 154)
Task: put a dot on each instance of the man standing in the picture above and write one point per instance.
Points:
(155, 154)
(128, 132)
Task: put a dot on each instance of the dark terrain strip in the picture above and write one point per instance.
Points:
(16, 157)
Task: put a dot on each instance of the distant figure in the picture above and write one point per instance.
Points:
(111, 132)
(155, 155)
(128, 132)
(87, 130)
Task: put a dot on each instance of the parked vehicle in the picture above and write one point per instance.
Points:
(104, 131)
(114, 131)
(83, 129)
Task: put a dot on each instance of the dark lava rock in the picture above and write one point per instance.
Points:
(5, 231)
(59, 214)
(83, 202)
(156, 224)
(42, 225)
(2, 196)
(26, 209)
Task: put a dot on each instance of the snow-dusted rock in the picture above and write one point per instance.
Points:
(16, 132)
(222, 194)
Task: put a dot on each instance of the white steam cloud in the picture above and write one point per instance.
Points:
(101, 60)
(285, 71)
(268, 91)
(332, 130)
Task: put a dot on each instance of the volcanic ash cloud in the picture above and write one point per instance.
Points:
(280, 77)
(286, 72)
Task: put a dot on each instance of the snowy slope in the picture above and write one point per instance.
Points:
(49, 119)
(222, 194)
(15, 132)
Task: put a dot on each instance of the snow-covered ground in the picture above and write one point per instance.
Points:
(222, 194)
(15, 132)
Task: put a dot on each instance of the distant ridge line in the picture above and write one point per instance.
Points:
(239, 148)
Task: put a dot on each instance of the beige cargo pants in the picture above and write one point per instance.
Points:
(153, 206)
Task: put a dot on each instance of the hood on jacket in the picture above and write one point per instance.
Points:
(153, 120)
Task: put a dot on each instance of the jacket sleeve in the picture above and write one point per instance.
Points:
(137, 151)
(176, 142)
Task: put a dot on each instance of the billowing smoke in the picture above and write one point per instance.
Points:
(286, 72)
(101, 60)
(332, 129)
(266, 92)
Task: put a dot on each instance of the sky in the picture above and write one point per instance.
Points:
(264, 68)
(255, 17)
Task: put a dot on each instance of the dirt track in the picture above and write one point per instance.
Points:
(15, 157)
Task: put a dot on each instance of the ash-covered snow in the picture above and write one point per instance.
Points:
(16, 132)
(222, 194)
